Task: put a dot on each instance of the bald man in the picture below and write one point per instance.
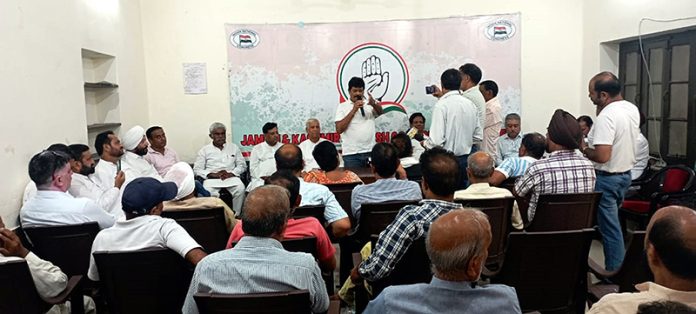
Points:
(670, 246)
(258, 263)
(457, 245)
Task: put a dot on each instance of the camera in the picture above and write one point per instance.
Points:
(430, 89)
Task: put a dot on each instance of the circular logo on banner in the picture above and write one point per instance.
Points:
(244, 39)
(500, 30)
(381, 67)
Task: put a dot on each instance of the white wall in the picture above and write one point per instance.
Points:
(178, 31)
(41, 78)
(608, 22)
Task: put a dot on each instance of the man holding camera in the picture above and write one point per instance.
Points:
(455, 122)
(356, 124)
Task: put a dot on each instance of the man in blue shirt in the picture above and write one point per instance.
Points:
(532, 149)
(457, 245)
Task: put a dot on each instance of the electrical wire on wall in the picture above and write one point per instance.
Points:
(647, 70)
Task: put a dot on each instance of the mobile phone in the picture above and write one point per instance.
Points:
(118, 166)
(430, 89)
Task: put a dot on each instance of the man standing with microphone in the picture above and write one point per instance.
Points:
(356, 124)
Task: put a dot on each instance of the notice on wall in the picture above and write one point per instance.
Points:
(195, 79)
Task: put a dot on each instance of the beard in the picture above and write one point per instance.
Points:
(140, 151)
(85, 170)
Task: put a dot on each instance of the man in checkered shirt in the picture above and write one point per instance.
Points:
(564, 171)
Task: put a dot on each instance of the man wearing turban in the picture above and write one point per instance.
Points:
(564, 171)
(132, 162)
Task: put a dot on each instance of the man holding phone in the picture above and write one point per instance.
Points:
(356, 124)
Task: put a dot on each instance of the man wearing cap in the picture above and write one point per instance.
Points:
(144, 228)
(612, 142)
(563, 171)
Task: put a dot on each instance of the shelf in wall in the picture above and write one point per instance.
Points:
(100, 85)
(102, 126)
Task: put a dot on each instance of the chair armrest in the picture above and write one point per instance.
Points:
(73, 283)
(334, 307)
(599, 271)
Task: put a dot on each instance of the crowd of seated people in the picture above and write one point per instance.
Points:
(137, 177)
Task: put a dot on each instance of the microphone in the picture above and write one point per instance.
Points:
(362, 110)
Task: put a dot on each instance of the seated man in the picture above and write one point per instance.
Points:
(83, 186)
(52, 206)
(508, 144)
(133, 163)
(110, 151)
(307, 146)
(670, 246)
(158, 154)
(457, 244)
(297, 228)
(144, 228)
(181, 174)
(30, 188)
(479, 169)
(289, 157)
(261, 162)
(221, 164)
(563, 171)
(385, 161)
(440, 179)
(258, 263)
(532, 149)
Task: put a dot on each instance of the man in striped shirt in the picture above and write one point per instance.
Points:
(258, 263)
(563, 171)
(532, 149)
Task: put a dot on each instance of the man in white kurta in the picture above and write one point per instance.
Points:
(261, 161)
(108, 198)
(221, 164)
(313, 129)
(493, 122)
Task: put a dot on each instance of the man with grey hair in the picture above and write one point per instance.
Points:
(221, 164)
(480, 166)
(313, 129)
(457, 244)
(508, 144)
(256, 263)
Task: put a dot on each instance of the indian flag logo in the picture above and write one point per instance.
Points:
(500, 30)
(244, 39)
(382, 68)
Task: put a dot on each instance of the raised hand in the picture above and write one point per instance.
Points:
(376, 81)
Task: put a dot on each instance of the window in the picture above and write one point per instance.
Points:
(665, 95)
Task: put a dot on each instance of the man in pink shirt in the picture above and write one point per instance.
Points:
(158, 155)
(297, 228)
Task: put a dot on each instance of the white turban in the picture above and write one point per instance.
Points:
(181, 174)
(133, 137)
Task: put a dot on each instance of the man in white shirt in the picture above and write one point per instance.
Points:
(612, 141)
(30, 189)
(493, 122)
(133, 163)
(83, 186)
(356, 124)
(143, 227)
(261, 162)
(508, 144)
(455, 122)
(642, 153)
(52, 206)
(221, 164)
(110, 150)
(313, 129)
(471, 76)
(289, 157)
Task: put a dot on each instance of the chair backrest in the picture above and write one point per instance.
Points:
(17, 292)
(290, 302)
(677, 178)
(634, 268)
(414, 267)
(498, 211)
(306, 245)
(559, 212)
(206, 226)
(375, 217)
(343, 192)
(548, 269)
(145, 281)
(67, 247)
(316, 211)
